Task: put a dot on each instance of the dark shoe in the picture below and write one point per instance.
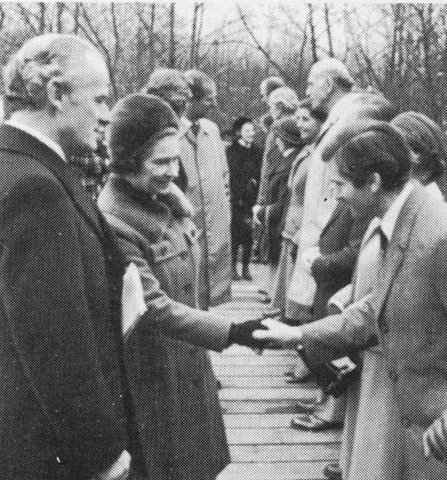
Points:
(246, 273)
(312, 422)
(333, 471)
(263, 292)
(272, 313)
(306, 405)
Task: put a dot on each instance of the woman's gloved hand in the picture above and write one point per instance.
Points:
(241, 333)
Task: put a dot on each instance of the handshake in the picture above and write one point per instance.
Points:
(267, 333)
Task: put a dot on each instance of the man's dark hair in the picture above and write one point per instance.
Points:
(379, 150)
(427, 140)
(199, 83)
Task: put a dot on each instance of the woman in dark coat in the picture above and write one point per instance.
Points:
(174, 388)
(244, 162)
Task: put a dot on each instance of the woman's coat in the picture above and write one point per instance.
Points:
(175, 391)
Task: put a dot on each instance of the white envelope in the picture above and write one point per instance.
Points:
(133, 304)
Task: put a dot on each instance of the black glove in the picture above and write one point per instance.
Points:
(241, 333)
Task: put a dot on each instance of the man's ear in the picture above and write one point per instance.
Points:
(329, 85)
(55, 93)
(375, 182)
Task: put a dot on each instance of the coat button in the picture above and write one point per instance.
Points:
(384, 328)
(406, 422)
(196, 382)
(393, 375)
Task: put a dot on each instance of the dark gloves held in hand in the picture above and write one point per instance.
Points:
(241, 333)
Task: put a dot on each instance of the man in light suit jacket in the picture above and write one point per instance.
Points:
(65, 405)
(331, 89)
(205, 162)
(406, 312)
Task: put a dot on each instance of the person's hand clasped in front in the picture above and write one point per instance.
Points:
(435, 440)
(242, 334)
(278, 335)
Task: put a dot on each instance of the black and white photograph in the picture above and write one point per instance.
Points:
(223, 240)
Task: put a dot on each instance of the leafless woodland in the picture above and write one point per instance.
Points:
(399, 49)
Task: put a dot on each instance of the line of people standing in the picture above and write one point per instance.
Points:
(380, 176)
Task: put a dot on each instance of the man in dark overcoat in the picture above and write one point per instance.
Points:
(65, 408)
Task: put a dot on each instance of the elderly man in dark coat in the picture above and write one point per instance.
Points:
(66, 409)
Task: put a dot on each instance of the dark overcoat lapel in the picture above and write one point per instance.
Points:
(18, 141)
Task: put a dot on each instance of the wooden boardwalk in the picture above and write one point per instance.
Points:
(258, 405)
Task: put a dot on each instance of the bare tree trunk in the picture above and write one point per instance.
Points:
(172, 36)
(278, 67)
(328, 30)
(426, 27)
(192, 61)
(151, 38)
(313, 40)
(59, 10)
(42, 21)
(76, 19)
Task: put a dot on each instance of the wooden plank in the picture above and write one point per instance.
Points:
(273, 407)
(279, 436)
(255, 360)
(239, 350)
(274, 471)
(266, 394)
(261, 382)
(249, 371)
(284, 453)
(255, 420)
(255, 308)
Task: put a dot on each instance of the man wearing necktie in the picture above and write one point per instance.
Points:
(66, 408)
(400, 430)
(205, 162)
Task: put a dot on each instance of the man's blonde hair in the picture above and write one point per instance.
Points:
(285, 98)
(336, 70)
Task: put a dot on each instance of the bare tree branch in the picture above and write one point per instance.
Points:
(260, 47)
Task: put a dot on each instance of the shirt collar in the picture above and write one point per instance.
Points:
(388, 222)
(288, 152)
(338, 109)
(39, 136)
(434, 190)
(372, 227)
(186, 122)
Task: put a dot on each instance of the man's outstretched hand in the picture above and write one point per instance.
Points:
(242, 334)
(275, 334)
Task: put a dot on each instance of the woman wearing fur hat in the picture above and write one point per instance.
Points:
(174, 388)
(244, 163)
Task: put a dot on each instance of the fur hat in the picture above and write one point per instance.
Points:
(239, 123)
(135, 121)
(287, 130)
